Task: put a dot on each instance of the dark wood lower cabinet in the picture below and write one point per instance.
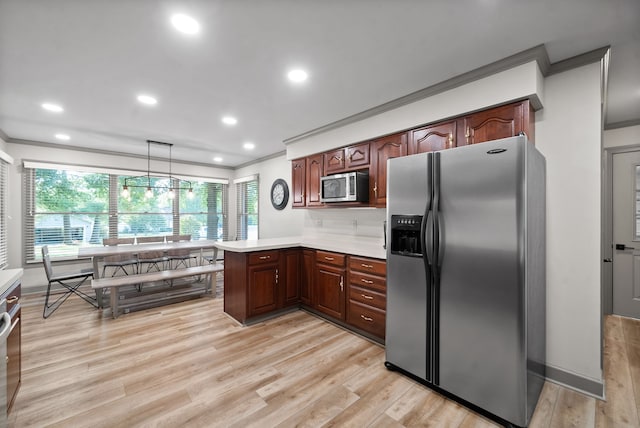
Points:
(306, 277)
(329, 290)
(14, 358)
(263, 289)
(349, 290)
(14, 342)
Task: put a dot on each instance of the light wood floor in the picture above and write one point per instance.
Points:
(189, 365)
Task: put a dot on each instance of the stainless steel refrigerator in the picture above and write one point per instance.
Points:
(466, 274)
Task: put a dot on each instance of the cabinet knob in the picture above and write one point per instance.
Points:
(364, 265)
(367, 297)
(13, 299)
(341, 283)
(366, 281)
(368, 319)
(265, 257)
(329, 258)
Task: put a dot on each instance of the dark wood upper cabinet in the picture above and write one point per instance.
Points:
(346, 158)
(391, 146)
(433, 137)
(315, 170)
(298, 182)
(357, 156)
(500, 122)
(334, 161)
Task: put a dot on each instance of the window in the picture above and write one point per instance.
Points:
(4, 171)
(68, 209)
(204, 216)
(65, 210)
(247, 208)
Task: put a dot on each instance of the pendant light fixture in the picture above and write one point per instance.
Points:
(149, 188)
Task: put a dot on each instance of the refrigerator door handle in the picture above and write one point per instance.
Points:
(427, 237)
(440, 241)
(437, 229)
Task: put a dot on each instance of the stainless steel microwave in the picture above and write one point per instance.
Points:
(347, 187)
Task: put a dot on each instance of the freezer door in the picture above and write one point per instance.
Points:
(481, 333)
(406, 318)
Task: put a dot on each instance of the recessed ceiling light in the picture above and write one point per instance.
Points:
(185, 24)
(297, 75)
(63, 137)
(228, 120)
(147, 99)
(217, 159)
(249, 146)
(52, 107)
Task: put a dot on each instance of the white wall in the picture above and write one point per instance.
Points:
(271, 222)
(34, 274)
(621, 137)
(568, 132)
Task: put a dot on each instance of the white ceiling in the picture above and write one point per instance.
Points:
(94, 56)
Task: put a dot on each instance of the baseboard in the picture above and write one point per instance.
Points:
(576, 382)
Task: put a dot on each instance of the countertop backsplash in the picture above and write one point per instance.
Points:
(345, 221)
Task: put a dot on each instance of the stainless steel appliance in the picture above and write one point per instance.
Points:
(347, 187)
(466, 274)
(5, 329)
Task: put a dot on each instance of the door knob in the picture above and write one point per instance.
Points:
(623, 247)
(607, 260)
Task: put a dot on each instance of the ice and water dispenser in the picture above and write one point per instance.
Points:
(405, 235)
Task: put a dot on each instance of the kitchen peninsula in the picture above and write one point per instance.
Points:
(337, 277)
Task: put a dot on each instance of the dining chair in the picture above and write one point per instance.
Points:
(70, 282)
(151, 258)
(179, 256)
(119, 262)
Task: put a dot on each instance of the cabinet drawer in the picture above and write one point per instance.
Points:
(327, 258)
(367, 318)
(263, 257)
(376, 283)
(13, 295)
(372, 266)
(368, 297)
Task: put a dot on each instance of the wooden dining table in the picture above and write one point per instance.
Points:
(98, 254)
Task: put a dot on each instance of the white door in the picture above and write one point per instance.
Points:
(626, 234)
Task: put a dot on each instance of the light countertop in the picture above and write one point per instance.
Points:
(8, 277)
(355, 245)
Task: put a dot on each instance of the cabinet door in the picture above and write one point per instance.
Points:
(14, 358)
(314, 172)
(291, 286)
(306, 277)
(392, 146)
(263, 288)
(329, 291)
(431, 138)
(298, 182)
(357, 156)
(333, 161)
(500, 122)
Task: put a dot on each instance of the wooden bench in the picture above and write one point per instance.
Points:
(114, 284)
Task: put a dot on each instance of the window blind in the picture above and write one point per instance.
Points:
(4, 194)
(247, 209)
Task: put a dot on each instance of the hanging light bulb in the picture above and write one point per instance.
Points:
(172, 194)
(190, 193)
(125, 191)
(148, 193)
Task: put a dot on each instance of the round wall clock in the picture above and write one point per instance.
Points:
(279, 194)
